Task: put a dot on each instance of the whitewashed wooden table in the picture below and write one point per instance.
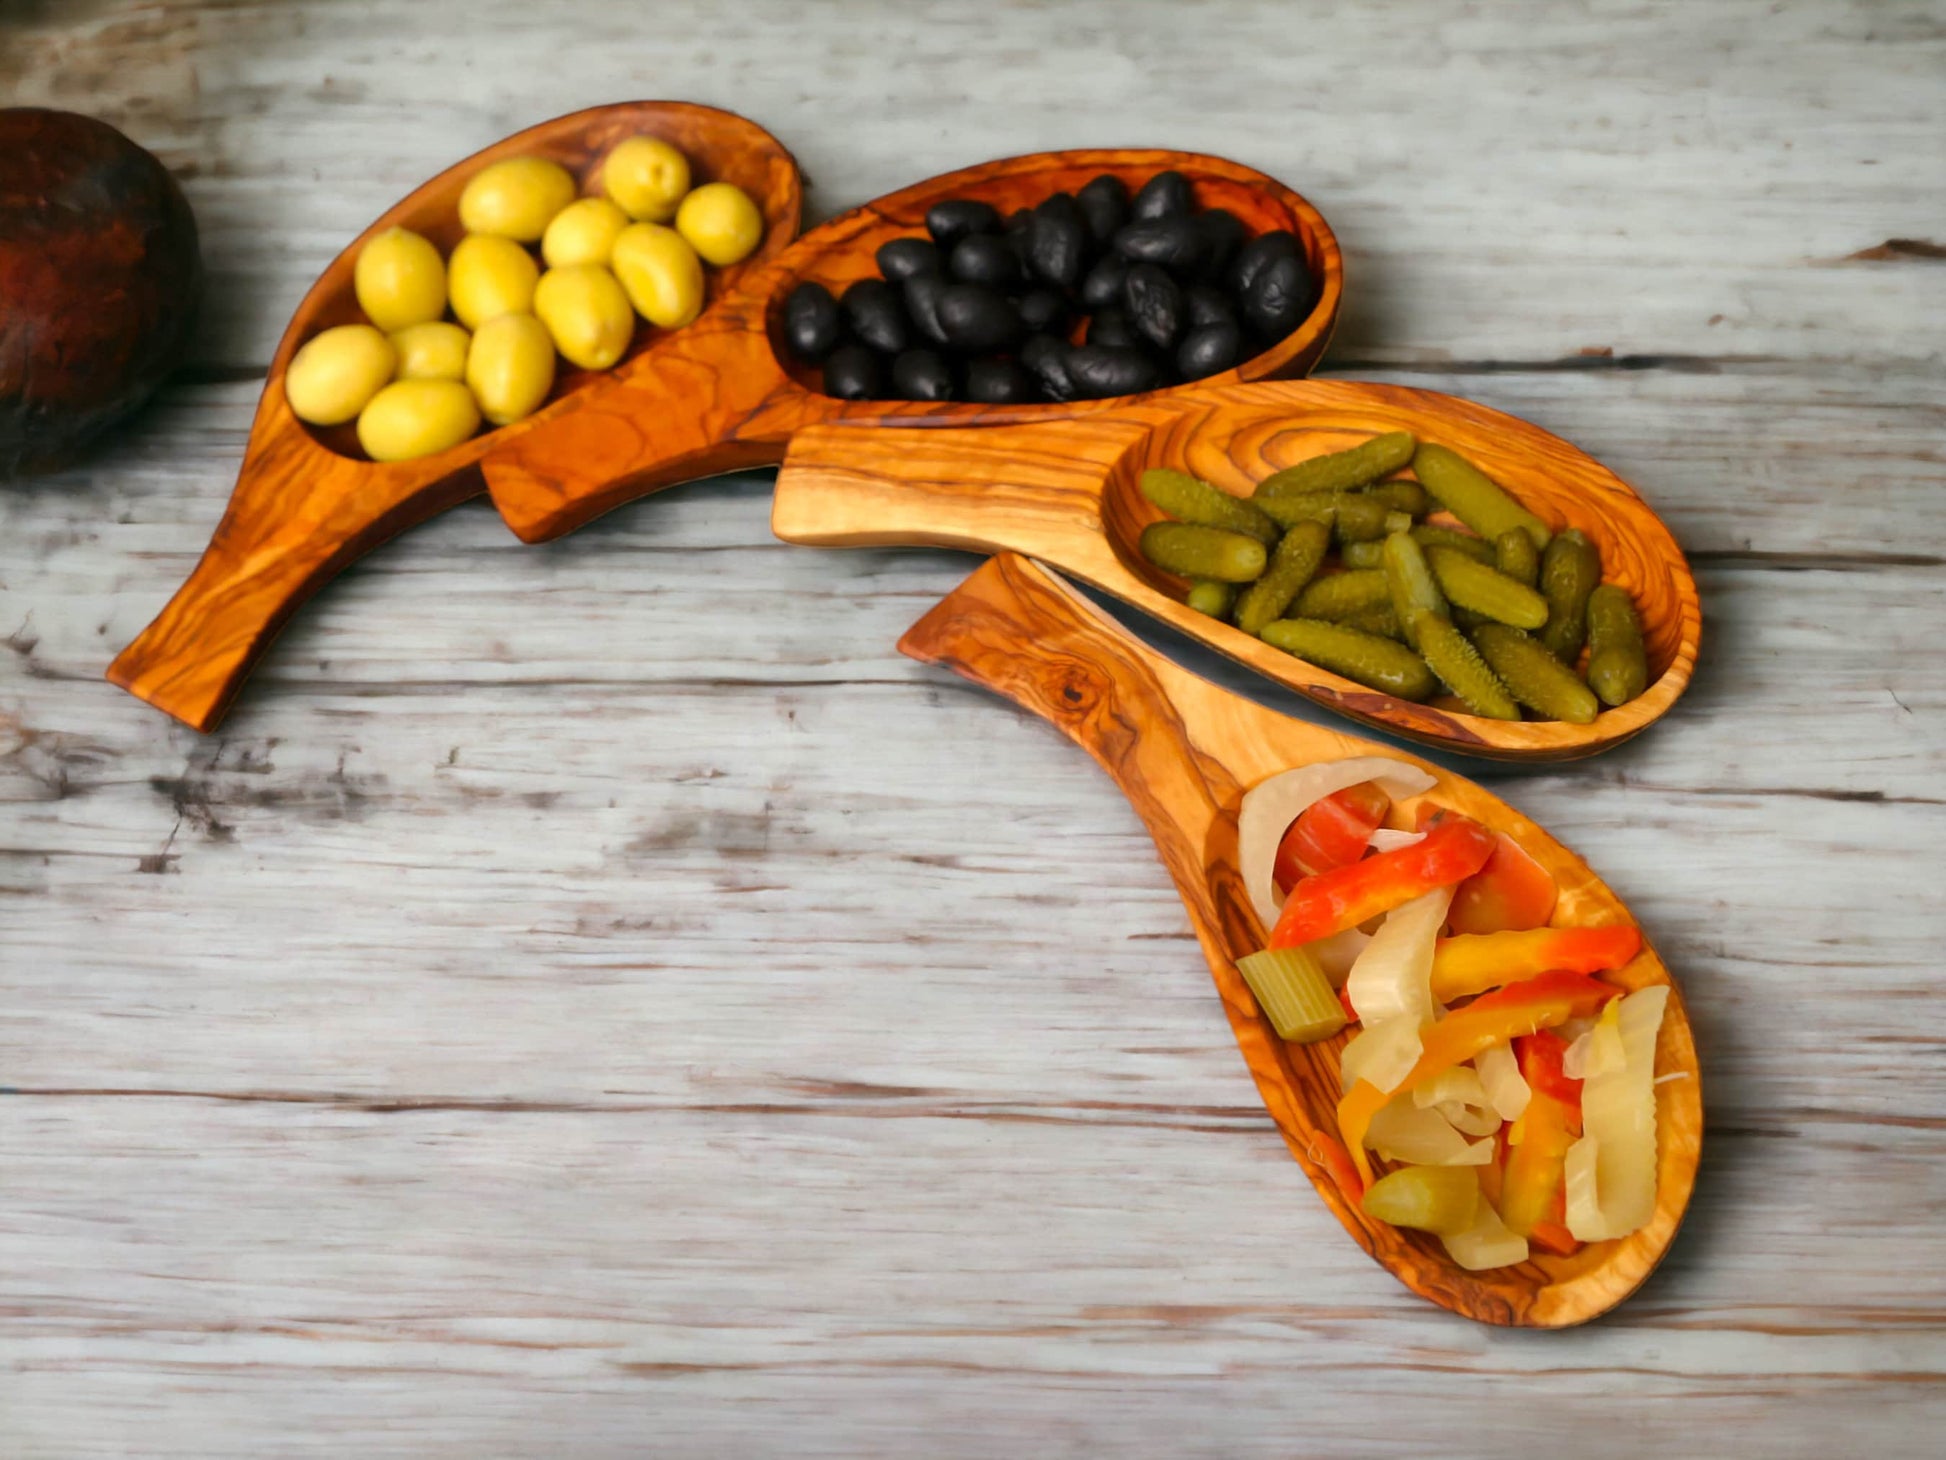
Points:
(600, 1000)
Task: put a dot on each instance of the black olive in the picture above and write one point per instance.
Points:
(1255, 254)
(1175, 243)
(1166, 195)
(1042, 309)
(1058, 245)
(1019, 233)
(950, 221)
(874, 314)
(1102, 285)
(977, 320)
(903, 257)
(1278, 298)
(922, 293)
(1104, 204)
(811, 324)
(1155, 304)
(854, 373)
(1222, 236)
(922, 375)
(1209, 349)
(1045, 359)
(1101, 370)
(1112, 327)
(984, 258)
(1208, 305)
(997, 382)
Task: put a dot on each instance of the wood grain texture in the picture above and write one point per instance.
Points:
(729, 395)
(307, 501)
(1184, 752)
(1065, 492)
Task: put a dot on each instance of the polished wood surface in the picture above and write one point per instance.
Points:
(727, 394)
(1184, 751)
(1065, 492)
(307, 501)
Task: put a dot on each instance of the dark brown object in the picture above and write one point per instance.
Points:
(99, 280)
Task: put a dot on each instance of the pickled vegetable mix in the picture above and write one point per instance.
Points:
(1430, 944)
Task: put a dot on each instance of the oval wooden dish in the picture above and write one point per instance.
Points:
(1184, 752)
(1065, 492)
(307, 501)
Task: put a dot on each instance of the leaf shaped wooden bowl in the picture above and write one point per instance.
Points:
(308, 502)
(1065, 492)
(725, 394)
(1184, 752)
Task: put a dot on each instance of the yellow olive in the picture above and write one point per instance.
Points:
(515, 198)
(417, 418)
(400, 280)
(583, 233)
(720, 222)
(647, 178)
(587, 314)
(434, 351)
(335, 373)
(661, 273)
(489, 276)
(510, 367)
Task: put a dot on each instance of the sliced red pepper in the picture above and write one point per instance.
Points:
(1332, 832)
(1535, 1166)
(1554, 1237)
(1541, 1055)
(1328, 1153)
(1512, 892)
(1538, 1003)
(1478, 961)
(1455, 847)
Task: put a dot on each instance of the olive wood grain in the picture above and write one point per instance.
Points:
(1184, 752)
(725, 394)
(1065, 492)
(307, 502)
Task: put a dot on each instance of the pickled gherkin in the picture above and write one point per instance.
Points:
(1474, 586)
(1515, 555)
(1535, 677)
(1427, 536)
(1186, 499)
(1210, 597)
(1366, 658)
(1381, 621)
(1361, 519)
(1410, 584)
(1366, 462)
(1363, 554)
(1203, 552)
(1460, 667)
(1303, 507)
(1472, 496)
(1618, 664)
(1293, 563)
(1401, 496)
(1342, 594)
(1570, 569)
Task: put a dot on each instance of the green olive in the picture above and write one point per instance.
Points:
(647, 178)
(411, 418)
(487, 276)
(661, 273)
(337, 372)
(587, 314)
(400, 280)
(721, 223)
(515, 198)
(510, 367)
(584, 232)
(433, 351)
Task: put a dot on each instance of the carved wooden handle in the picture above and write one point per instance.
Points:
(307, 514)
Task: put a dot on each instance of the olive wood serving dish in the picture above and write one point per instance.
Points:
(307, 502)
(1065, 492)
(1184, 752)
(724, 393)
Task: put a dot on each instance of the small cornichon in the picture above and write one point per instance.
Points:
(1342, 470)
(1618, 664)
(1570, 569)
(1293, 563)
(1366, 658)
(1472, 585)
(1203, 552)
(1535, 677)
(1210, 597)
(1341, 595)
(1410, 584)
(1515, 555)
(1186, 499)
(1472, 496)
(1460, 667)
